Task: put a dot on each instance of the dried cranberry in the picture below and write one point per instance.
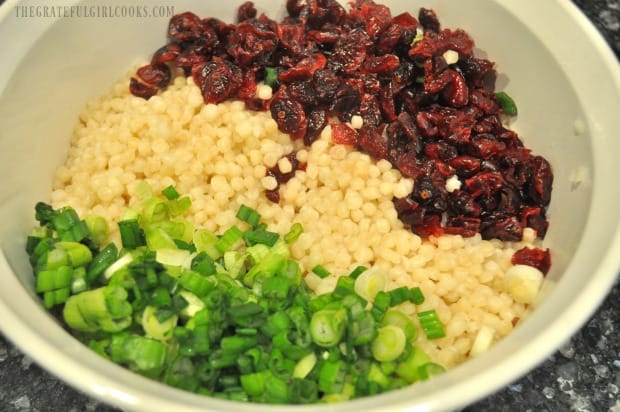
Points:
(218, 80)
(428, 19)
(343, 134)
(370, 110)
(465, 166)
(383, 65)
(157, 75)
(294, 7)
(484, 183)
(252, 42)
(292, 37)
(346, 100)
(376, 17)
(141, 90)
(542, 179)
(462, 225)
(317, 120)
(166, 54)
(326, 83)
(534, 217)
(305, 69)
(507, 228)
(485, 145)
(290, 117)
(372, 141)
(350, 50)
(246, 11)
(185, 27)
(538, 258)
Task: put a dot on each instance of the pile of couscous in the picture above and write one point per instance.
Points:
(219, 155)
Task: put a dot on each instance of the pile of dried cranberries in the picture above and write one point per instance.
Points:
(427, 104)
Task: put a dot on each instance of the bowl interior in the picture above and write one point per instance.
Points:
(59, 64)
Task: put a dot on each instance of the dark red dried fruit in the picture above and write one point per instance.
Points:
(535, 257)
(372, 141)
(542, 179)
(343, 134)
(166, 54)
(292, 37)
(376, 17)
(185, 27)
(141, 90)
(383, 65)
(507, 228)
(252, 43)
(290, 117)
(484, 183)
(432, 120)
(157, 75)
(428, 19)
(317, 120)
(281, 177)
(305, 69)
(218, 80)
(350, 50)
(246, 11)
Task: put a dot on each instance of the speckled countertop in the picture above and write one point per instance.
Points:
(583, 376)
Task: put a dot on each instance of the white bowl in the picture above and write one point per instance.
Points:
(553, 62)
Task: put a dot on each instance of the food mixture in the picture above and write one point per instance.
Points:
(389, 151)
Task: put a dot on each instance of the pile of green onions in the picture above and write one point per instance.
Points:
(225, 315)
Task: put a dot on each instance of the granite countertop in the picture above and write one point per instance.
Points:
(583, 376)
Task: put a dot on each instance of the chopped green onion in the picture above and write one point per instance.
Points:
(44, 213)
(254, 383)
(507, 103)
(271, 77)
(132, 236)
(229, 239)
(276, 390)
(431, 324)
(293, 234)
(179, 206)
(196, 283)
(430, 369)
(305, 365)
(161, 331)
(248, 215)
(320, 271)
(204, 241)
(344, 286)
(398, 318)
(98, 229)
(103, 309)
(48, 280)
(140, 353)
(332, 377)
(203, 264)
(170, 192)
(226, 316)
(357, 272)
(265, 237)
(399, 295)
(327, 326)
(101, 261)
(370, 282)
(409, 369)
(416, 296)
(389, 343)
